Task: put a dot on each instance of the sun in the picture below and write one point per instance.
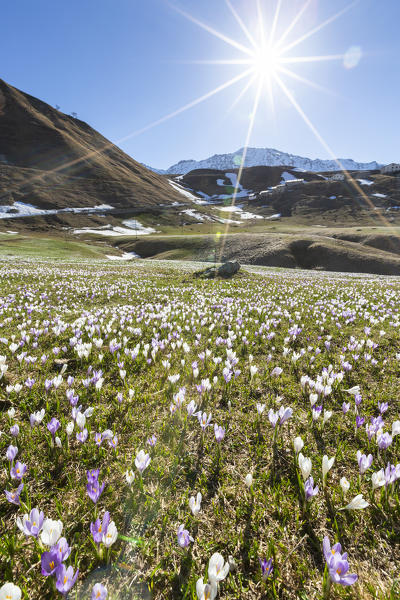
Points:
(265, 62)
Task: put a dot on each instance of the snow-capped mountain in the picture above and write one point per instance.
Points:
(269, 157)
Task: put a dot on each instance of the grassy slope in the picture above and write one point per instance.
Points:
(269, 520)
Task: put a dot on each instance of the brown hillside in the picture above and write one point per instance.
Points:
(45, 156)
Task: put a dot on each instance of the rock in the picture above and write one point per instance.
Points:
(228, 269)
(59, 363)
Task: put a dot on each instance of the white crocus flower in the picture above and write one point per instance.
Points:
(298, 444)
(253, 371)
(305, 465)
(378, 479)
(327, 416)
(260, 408)
(195, 504)
(345, 485)
(218, 569)
(70, 428)
(357, 503)
(110, 536)
(326, 466)
(51, 532)
(395, 428)
(130, 477)
(248, 480)
(353, 390)
(11, 412)
(206, 591)
(9, 591)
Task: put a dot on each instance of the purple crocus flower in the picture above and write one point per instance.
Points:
(62, 548)
(219, 432)
(65, 578)
(82, 435)
(99, 528)
(383, 406)
(31, 524)
(357, 399)
(53, 425)
(99, 592)
(11, 453)
(49, 562)
(364, 462)
(14, 430)
(152, 440)
(13, 497)
(338, 569)
(337, 564)
(184, 538)
(384, 440)
(359, 421)
(98, 439)
(266, 568)
(309, 488)
(345, 407)
(204, 420)
(18, 470)
(94, 490)
(92, 475)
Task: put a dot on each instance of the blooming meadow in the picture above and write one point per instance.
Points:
(167, 437)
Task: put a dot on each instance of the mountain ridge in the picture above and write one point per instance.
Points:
(269, 157)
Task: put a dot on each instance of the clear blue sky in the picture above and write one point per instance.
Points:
(120, 64)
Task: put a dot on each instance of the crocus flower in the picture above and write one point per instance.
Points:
(184, 538)
(206, 591)
(9, 591)
(248, 480)
(260, 408)
(94, 490)
(309, 488)
(142, 461)
(204, 420)
(110, 536)
(219, 432)
(326, 466)
(99, 592)
(378, 479)
(305, 466)
(152, 440)
(49, 562)
(344, 484)
(298, 444)
(18, 470)
(218, 569)
(14, 430)
(62, 549)
(338, 567)
(82, 436)
(11, 453)
(51, 532)
(384, 440)
(99, 527)
(357, 503)
(65, 578)
(328, 551)
(266, 568)
(53, 425)
(195, 504)
(31, 524)
(364, 462)
(130, 477)
(13, 497)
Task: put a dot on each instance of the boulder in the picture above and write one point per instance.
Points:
(228, 269)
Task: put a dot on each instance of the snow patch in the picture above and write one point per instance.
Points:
(124, 256)
(377, 195)
(365, 181)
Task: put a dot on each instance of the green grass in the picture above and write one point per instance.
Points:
(37, 247)
(49, 308)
